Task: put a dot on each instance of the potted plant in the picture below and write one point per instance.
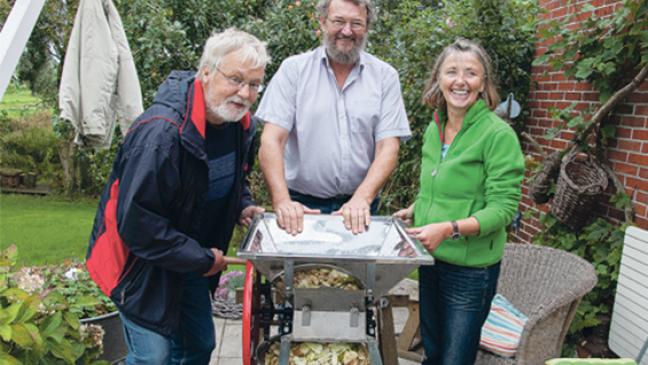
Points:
(37, 325)
(89, 303)
(230, 287)
(227, 299)
(78, 324)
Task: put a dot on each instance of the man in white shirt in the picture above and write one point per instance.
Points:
(334, 120)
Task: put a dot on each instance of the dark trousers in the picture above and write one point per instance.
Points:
(327, 205)
(193, 344)
(454, 302)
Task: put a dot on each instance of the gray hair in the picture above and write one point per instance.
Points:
(432, 94)
(323, 7)
(231, 40)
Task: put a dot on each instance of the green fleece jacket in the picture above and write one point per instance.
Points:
(480, 176)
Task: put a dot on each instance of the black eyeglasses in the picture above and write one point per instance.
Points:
(339, 23)
(236, 81)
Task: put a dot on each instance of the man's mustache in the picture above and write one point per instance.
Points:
(239, 100)
(349, 37)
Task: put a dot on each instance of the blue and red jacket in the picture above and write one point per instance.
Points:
(142, 240)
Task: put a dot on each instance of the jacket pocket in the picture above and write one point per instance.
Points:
(128, 283)
(485, 250)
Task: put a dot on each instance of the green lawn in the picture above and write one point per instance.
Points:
(45, 230)
(19, 102)
(51, 229)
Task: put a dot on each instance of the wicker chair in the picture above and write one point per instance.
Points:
(547, 285)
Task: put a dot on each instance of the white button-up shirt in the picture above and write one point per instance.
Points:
(332, 131)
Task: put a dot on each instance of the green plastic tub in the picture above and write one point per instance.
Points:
(591, 362)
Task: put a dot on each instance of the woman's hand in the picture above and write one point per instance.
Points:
(431, 235)
(248, 214)
(406, 215)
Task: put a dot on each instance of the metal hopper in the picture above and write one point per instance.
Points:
(377, 259)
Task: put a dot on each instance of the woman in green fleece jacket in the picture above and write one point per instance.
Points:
(470, 187)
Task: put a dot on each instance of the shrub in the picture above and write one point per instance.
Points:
(289, 27)
(95, 166)
(409, 36)
(6, 123)
(36, 324)
(31, 145)
(73, 281)
(169, 34)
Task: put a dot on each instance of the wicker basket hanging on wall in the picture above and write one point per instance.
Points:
(580, 182)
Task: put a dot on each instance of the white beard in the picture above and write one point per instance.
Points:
(227, 114)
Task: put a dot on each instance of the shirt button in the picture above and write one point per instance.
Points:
(433, 173)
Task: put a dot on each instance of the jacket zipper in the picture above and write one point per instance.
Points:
(454, 141)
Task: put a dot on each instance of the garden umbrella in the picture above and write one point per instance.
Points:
(99, 84)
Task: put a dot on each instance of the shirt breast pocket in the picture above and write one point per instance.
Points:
(365, 115)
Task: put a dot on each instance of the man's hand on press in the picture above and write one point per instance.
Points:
(219, 263)
(290, 215)
(248, 214)
(357, 215)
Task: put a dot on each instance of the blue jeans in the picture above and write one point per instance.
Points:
(327, 205)
(191, 345)
(454, 302)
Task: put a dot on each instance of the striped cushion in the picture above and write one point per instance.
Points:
(503, 328)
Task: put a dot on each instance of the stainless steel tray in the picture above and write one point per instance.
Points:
(379, 258)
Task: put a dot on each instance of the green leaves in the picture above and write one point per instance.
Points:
(584, 69)
(604, 51)
(63, 350)
(5, 332)
(410, 36)
(621, 200)
(72, 320)
(41, 331)
(9, 314)
(21, 336)
(51, 324)
(7, 359)
(86, 301)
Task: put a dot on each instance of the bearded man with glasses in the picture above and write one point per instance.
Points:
(334, 121)
(177, 188)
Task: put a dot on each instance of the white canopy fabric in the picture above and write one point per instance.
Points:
(99, 84)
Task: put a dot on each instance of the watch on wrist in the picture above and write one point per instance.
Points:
(455, 231)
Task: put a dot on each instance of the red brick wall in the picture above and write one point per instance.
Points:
(628, 153)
